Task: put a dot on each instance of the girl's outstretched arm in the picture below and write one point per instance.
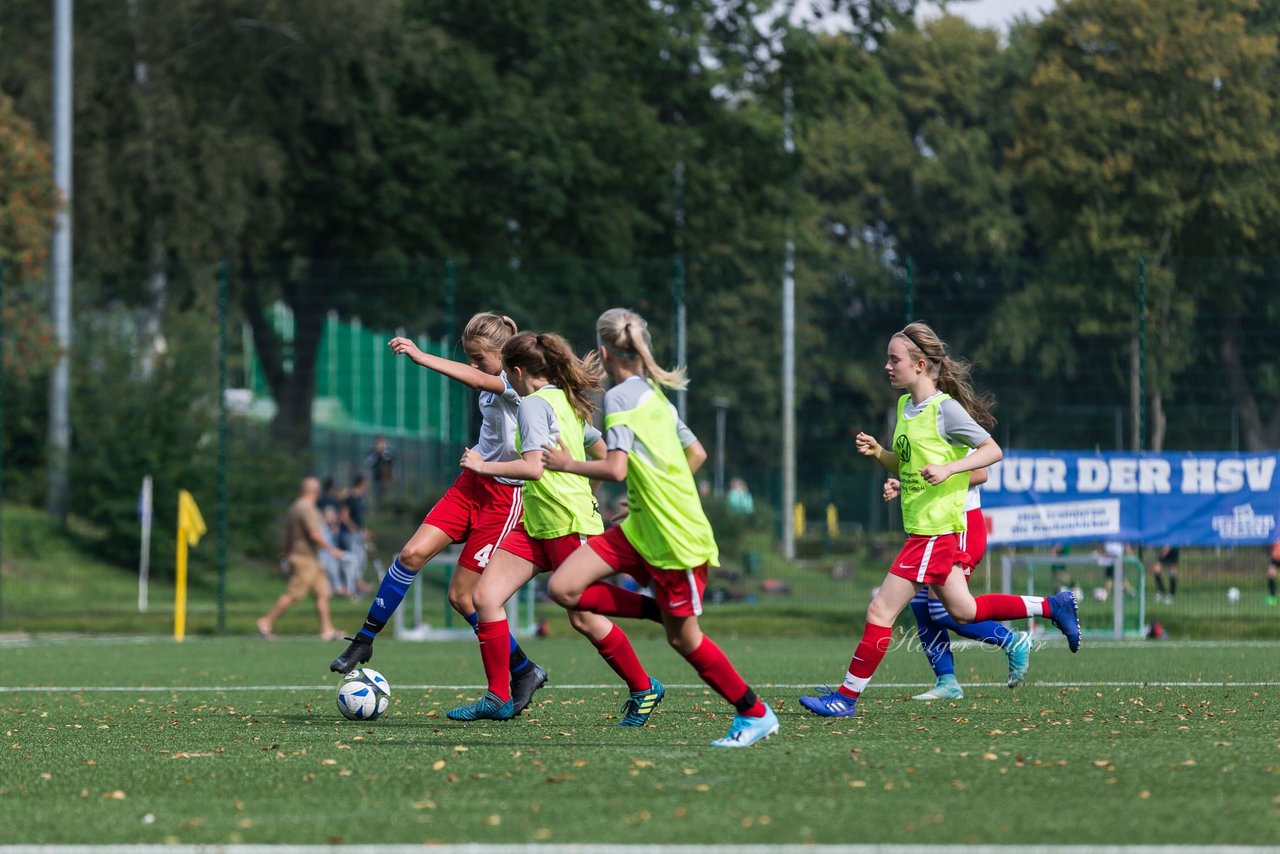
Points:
(465, 374)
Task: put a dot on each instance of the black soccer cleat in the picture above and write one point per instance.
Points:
(357, 653)
(524, 683)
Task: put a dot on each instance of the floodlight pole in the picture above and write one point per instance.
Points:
(60, 292)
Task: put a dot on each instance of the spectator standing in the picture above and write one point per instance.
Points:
(357, 536)
(381, 462)
(739, 498)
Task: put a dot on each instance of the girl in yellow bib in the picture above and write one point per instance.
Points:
(559, 510)
(935, 438)
(666, 540)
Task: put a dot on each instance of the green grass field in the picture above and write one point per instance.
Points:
(226, 740)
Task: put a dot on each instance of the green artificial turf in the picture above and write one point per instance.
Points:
(224, 740)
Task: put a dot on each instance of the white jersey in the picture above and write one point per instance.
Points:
(497, 442)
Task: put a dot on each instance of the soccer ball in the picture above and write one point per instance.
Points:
(1233, 595)
(363, 695)
(1100, 594)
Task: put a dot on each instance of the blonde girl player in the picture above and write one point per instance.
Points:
(477, 511)
(933, 622)
(665, 541)
(560, 512)
(935, 431)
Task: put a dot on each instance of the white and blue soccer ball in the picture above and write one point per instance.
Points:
(1233, 595)
(364, 694)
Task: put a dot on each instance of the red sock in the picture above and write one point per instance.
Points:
(866, 658)
(617, 652)
(717, 671)
(1003, 606)
(495, 652)
(610, 600)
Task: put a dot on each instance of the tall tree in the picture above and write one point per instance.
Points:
(1148, 128)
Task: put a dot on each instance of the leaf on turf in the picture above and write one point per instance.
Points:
(493, 820)
(688, 772)
(1105, 764)
(702, 787)
(1144, 794)
(857, 784)
(437, 765)
(424, 805)
(542, 834)
(116, 795)
(579, 763)
(460, 748)
(328, 762)
(189, 755)
(559, 778)
(639, 763)
(990, 757)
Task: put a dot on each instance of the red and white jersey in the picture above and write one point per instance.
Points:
(497, 442)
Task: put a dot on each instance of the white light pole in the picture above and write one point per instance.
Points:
(60, 291)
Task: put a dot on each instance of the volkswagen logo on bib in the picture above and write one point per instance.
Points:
(902, 447)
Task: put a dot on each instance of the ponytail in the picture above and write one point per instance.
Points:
(950, 373)
(626, 334)
(549, 356)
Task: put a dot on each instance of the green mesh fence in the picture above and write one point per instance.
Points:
(1081, 355)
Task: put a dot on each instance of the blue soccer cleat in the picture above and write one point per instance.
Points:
(638, 707)
(747, 731)
(946, 688)
(831, 705)
(1066, 618)
(1018, 653)
(487, 708)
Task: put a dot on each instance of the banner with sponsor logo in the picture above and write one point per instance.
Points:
(1187, 499)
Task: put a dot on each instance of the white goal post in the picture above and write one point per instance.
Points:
(1110, 594)
(410, 624)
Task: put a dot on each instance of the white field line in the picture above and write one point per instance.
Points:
(695, 686)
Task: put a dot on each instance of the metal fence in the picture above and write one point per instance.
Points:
(1103, 354)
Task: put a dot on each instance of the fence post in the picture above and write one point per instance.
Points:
(1142, 354)
(224, 294)
(910, 286)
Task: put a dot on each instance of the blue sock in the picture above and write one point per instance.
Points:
(518, 661)
(933, 637)
(988, 631)
(389, 596)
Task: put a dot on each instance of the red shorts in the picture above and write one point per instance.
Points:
(546, 555)
(677, 591)
(973, 542)
(478, 512)
(927, 559)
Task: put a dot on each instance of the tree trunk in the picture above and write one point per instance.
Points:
(1257, 436)
(1159, 421)
(292, 387)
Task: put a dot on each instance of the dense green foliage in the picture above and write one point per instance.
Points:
(338, 154)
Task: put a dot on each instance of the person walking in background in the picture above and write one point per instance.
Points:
(1166, 565)
(939, 421)
(666, 540)
(304, 539)
(381, 462)
(560, 512)
(477, 511)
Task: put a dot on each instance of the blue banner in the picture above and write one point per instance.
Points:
(1187, 499)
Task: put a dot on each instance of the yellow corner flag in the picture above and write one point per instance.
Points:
(191, 528)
